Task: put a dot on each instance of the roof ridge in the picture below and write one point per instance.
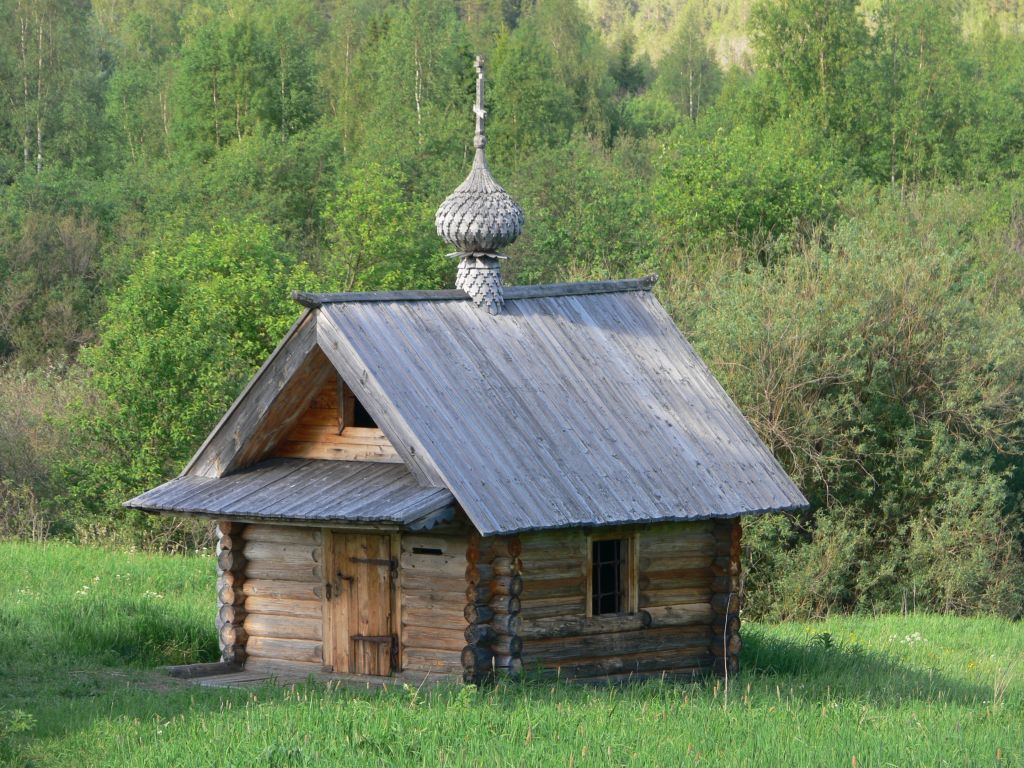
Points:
(512, 292)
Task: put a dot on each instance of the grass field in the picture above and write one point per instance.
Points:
(81, 631)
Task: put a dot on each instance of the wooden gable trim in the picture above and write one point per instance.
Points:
(217, 455)
(369, 391)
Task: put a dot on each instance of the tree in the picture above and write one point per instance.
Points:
(816, 53)
(183, 334)
(378, 239)
(688, 74)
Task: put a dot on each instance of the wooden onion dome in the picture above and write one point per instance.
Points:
(479, 218)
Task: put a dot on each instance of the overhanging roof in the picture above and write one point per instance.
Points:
(570, 407)
(580, 404)
(310, 491)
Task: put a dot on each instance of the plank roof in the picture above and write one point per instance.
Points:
(571, 407)
(308, 491)
(580, 404)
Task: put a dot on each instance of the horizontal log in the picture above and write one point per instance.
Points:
(507, 624)
(511, 665)
(500, 586)
(433, 639)
(290, 627)
(263, 569)
(574, 587)
(229, 578)
(649, 563)
(675, 674)
(233, 654)
(680, 615)
(574, 626)
(282, 534)
(485, 550)
(230, 596)
(476, 659)
(433, 619)
(345, 451)
(550, 611)
(540, 571)
(231, 614)
(503, 604)
(231, 560)
(680, 596)
(421, 581)
(272, 606)
(475, 613)
(286, 649)
(233, 634)
(479, 634)
(229, 541)
(283, 590)
(726, 603)
(228, 527)
(285, 554)
(632, 664)
(478, 572)
(507, 645)
(570, 605)
(450, 566)
(619, 643)
(554, 555)
(730, 646)
(676, 577)
(431, 661)
(725, 622)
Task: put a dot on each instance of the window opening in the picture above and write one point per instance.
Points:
(426, 551)
(608, 561)
(352, 413)
(362, 418)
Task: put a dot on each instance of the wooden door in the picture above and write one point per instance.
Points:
(361, 598)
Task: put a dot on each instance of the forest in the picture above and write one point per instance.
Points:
(831, 194)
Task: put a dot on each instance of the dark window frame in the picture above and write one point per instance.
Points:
(622, 559)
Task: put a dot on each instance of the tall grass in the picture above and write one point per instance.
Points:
(912, 690)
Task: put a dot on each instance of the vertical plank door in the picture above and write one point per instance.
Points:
(361, 604)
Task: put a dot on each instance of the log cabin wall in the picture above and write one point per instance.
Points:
(432, 584)
(672, 630)
(230, 597)
(728, 596)
(282, 591)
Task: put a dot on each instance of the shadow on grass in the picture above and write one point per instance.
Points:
(826, 670)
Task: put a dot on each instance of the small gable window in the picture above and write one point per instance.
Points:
(353, 414)
(612, 587)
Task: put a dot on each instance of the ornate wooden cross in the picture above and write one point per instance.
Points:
(479, 140)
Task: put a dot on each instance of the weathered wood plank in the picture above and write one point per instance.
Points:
(284, 627)
(284, 607)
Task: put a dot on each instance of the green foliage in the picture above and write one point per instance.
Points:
(190, 325)
(831, 190)
(740, 185)
(378, 239)
(883, 370)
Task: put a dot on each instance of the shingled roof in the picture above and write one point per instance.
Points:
(578, 405)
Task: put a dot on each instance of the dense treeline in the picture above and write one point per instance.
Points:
(836, 217)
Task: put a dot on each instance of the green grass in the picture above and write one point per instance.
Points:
(81, 630)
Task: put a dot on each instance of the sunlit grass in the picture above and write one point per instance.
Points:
(909, 691)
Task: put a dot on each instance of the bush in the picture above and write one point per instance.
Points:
(881, 362)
